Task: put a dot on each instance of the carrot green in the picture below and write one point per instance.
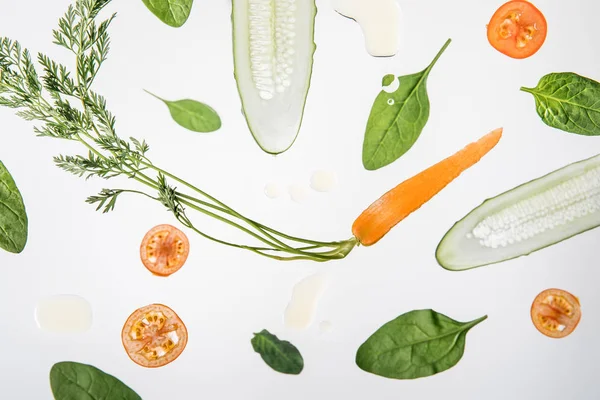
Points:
(66, 107)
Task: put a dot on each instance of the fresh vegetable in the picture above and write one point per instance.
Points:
(192, 115)
(517, 29)
(172, 12)
(273, 47)
(397, 119)
(555, 313)
(164, 250)
(526, 219)
(415, 345)
(569, 102)
(280, 355)
(49, 102)
(410, 195)
(13, 216)
(72, 380)
(154, 336)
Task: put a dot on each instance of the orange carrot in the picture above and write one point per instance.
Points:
(377, 220)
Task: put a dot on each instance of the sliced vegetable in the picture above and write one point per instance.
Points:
(164, 250)
(273, 47)
(410, 195)
(192, 115)
(13, 217)
(415, 345)
(555, 313)
(569, 102)
(172, 12)
(280, 355)
(398, 118)
(517, 29)
(154, 336)
(526, 219)
(71, 380)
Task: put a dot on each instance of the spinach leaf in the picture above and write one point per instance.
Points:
(280, 355)
(193, 115)
(397, 119)
(172, 12)
(388, 79)
(569, 102)
(416, 344)
(71, 380)
(13, 217)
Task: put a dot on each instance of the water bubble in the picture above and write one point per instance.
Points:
(390, 83)
(390, 102)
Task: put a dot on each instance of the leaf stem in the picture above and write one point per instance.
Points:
(438, 55)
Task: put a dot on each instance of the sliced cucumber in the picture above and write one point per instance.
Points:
(273, 45)
(525, 219)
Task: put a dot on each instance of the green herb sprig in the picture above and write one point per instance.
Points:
(65, 107)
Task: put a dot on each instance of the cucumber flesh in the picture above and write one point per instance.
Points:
(525, 219)
(273, 43)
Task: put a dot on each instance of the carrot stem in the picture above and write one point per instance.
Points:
(391, 208)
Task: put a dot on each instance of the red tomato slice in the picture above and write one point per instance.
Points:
(555, 313)
(154, 336)
(517, 29)
(164, 250)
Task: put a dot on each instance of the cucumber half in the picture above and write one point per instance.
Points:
(273, 49)
(528, 218)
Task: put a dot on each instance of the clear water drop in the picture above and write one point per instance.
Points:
(391, 102)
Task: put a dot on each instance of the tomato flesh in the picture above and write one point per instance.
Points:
(154, 336)
(517, 29)
(164, 250)
(555, 313)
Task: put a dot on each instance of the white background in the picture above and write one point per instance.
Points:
(224, 295)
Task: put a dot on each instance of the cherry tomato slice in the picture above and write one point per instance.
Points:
(154, 336)
(517, 29)
(555, 313)
(164, 250)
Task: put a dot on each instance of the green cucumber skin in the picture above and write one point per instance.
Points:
(439, 258)
(309, 77)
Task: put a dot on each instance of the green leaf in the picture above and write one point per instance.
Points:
(568, 102)
(172, 12)
(280, 355)
(193, 115)
(75, 381)
(416, 344)
(387, 80)
(13, 217)
(397, 119)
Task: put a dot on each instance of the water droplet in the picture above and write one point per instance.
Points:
(390, 102)
(393, 83)
(326, 327)
(273, 190)
(301, 309)
(63, 314)
(298, 193)
(323, 181)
